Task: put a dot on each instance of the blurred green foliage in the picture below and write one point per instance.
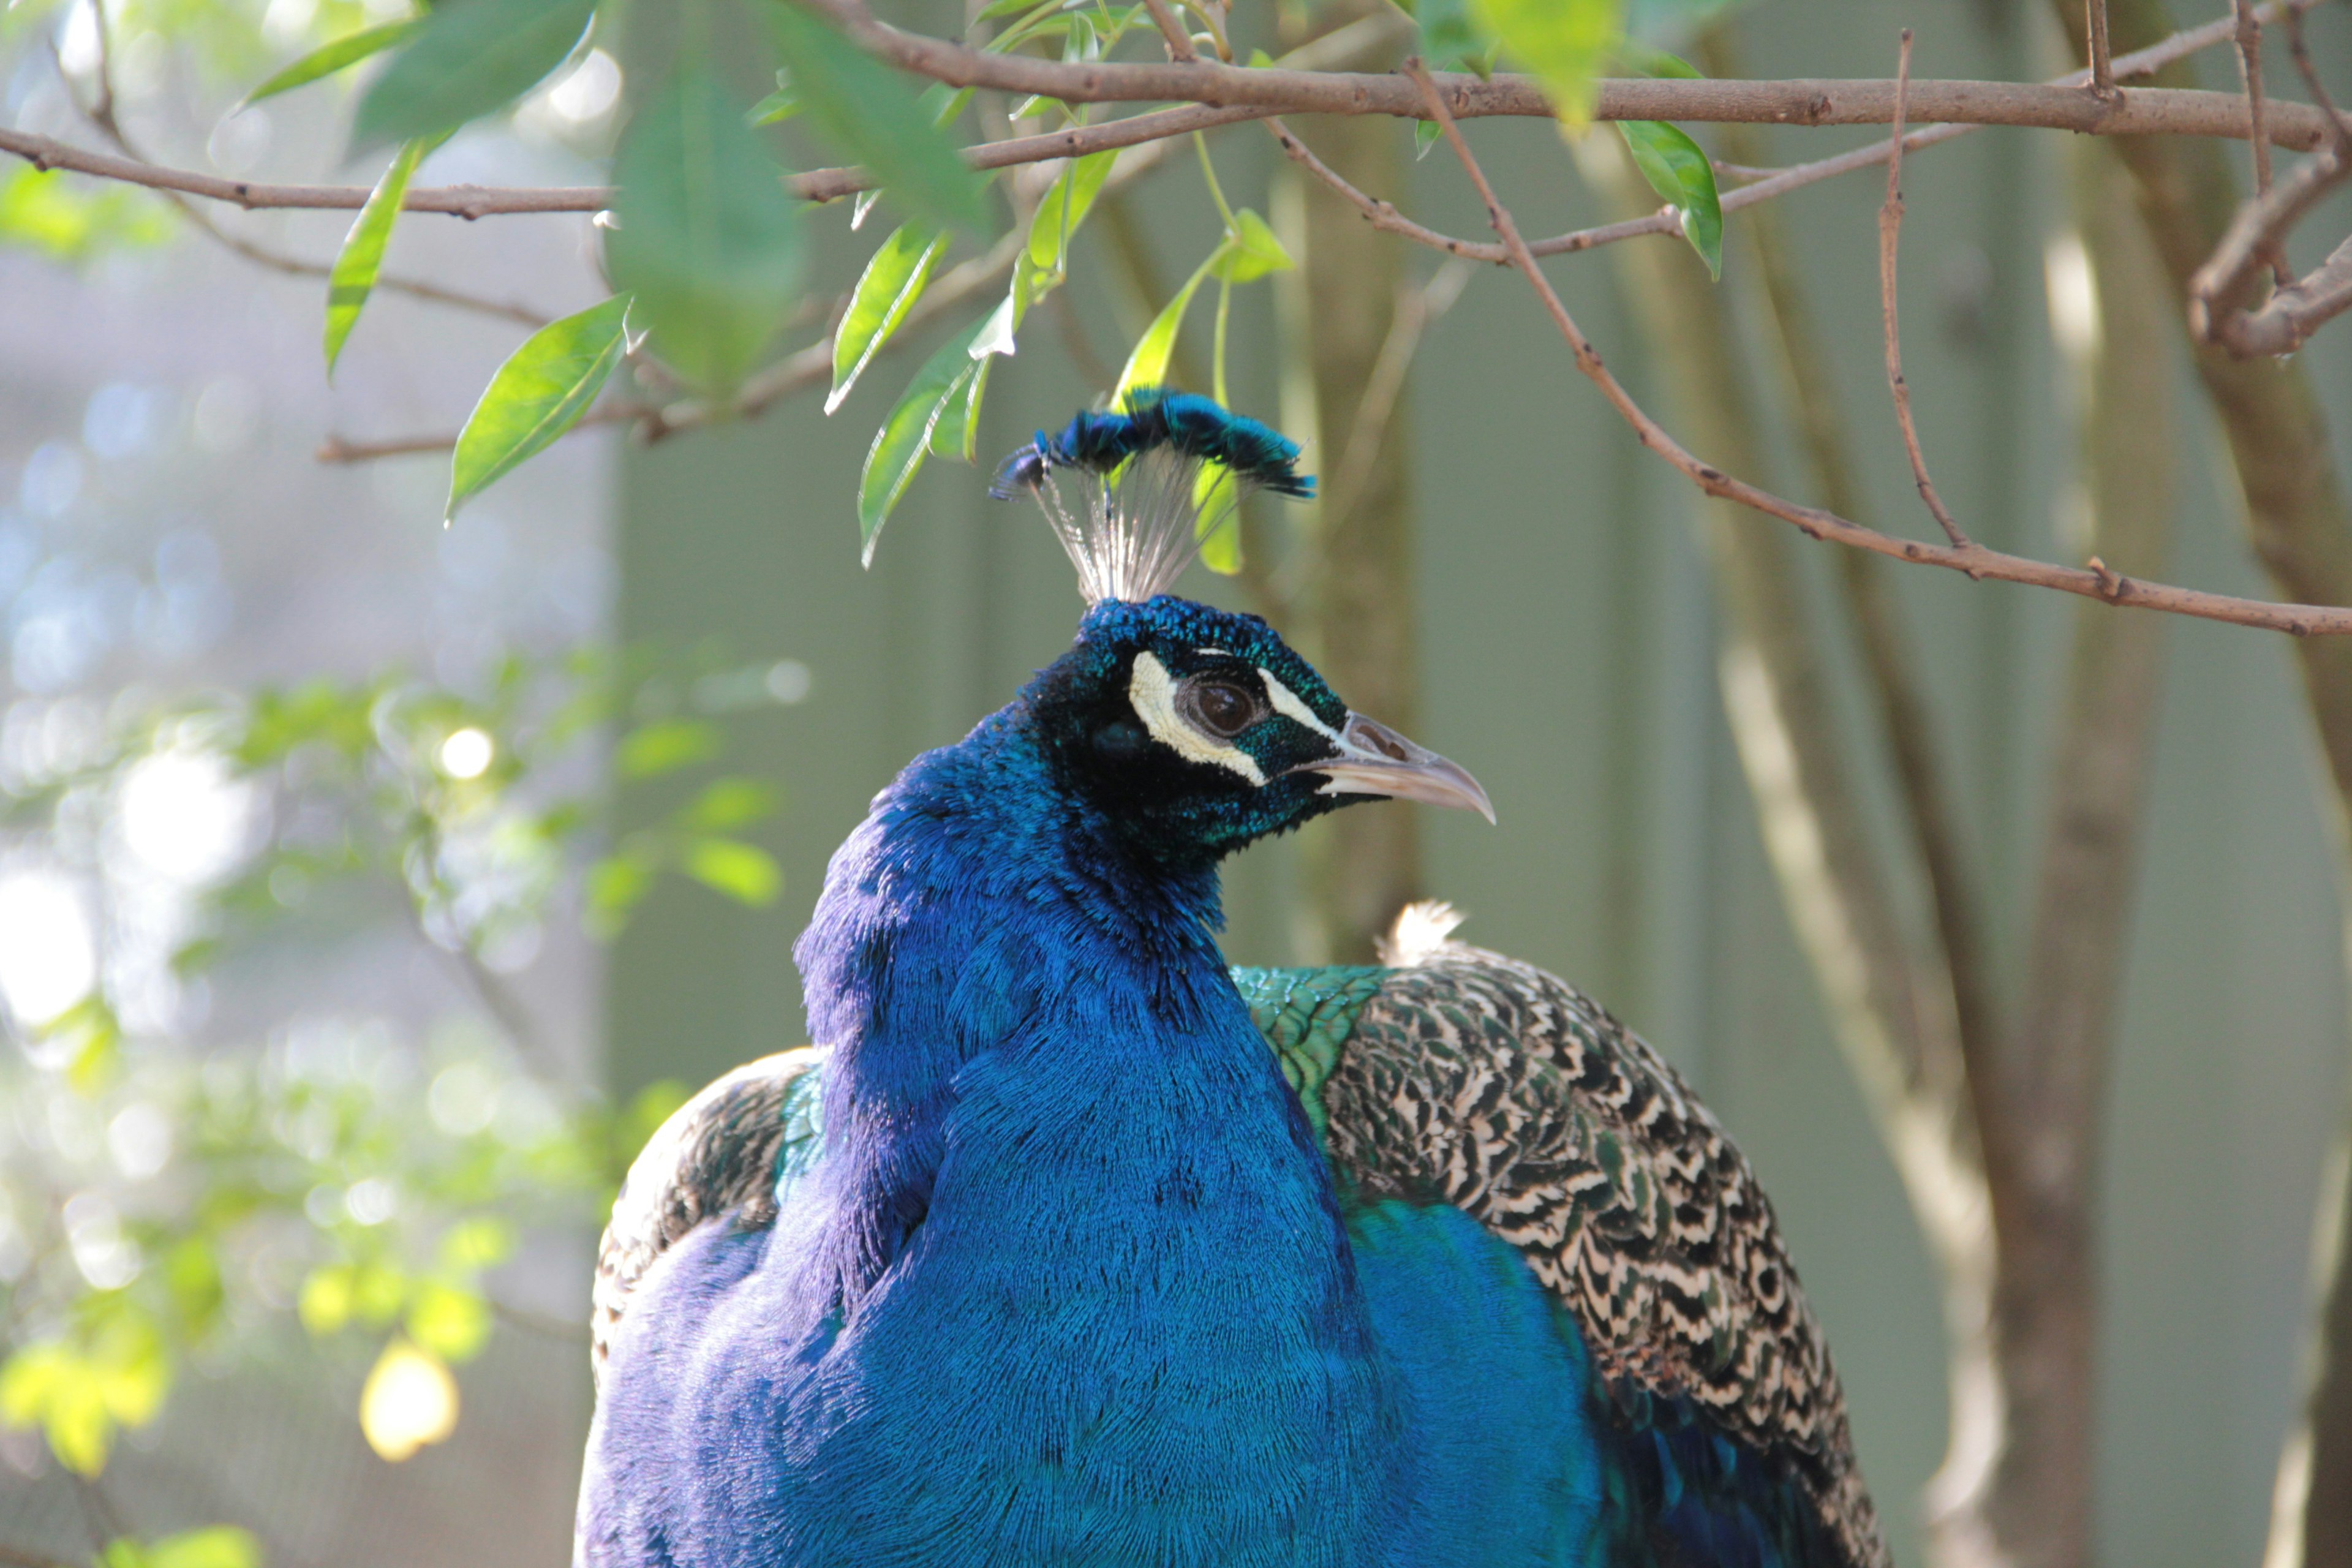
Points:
(168, 1202)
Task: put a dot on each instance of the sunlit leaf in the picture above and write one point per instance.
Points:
(1065, 208)
(1678, 170)
(352, 278)
(1147, 363)
(452, 1322)
(893, 280)
(324, 1303)
(470, 58)
(1216, 522)
(707, 238)
(665, 745)
(995, 10)
(538, 393)
(1564, 43)
(896, 454)
(327, 59)
(868, 113)
(1451, 38)
(725, 804)
(1254, 251)
(213, 1546)
(45, 211)
(480, 1242)
(745, 872)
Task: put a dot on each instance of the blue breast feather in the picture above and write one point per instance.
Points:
(1071, 1283)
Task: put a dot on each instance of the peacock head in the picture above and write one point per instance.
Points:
(1194, 730)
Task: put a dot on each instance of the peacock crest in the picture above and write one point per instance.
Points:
(1128, 490)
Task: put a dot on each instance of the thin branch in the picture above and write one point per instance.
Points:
(1180, 42)
(1768, 183)
(1416, 310)
(2225, 288)
(2250, 76)
(2103, 69)
(1890, 237)
(1974, 558)
(2341, 123)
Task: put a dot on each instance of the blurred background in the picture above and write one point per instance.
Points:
(369, 886)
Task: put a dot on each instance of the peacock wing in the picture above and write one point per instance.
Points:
(1457, 1076)
(725, 1152)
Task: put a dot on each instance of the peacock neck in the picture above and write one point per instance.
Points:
(1051, 1124)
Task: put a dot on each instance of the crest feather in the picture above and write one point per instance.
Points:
(1140, 519)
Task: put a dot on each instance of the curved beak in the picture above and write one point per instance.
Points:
(1375, 760)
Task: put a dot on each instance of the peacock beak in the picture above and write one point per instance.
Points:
(1375, 760)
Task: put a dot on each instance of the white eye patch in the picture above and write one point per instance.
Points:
(1290, 705)
(1152, 691)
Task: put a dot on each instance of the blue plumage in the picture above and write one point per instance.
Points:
(1047, 1259)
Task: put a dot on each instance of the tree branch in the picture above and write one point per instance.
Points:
(2224, 289)
(1975, 560)
(1890, 235)
(1767, 184)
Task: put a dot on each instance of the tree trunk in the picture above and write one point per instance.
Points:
(1360, 616)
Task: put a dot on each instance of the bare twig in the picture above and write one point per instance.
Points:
(1768, 183)
(1890, 237)
(2224, 289)
(1180, 42)
(2103, 69)
(1416, 309)
(1973, 559)
(2340, 122)
(2250, 76)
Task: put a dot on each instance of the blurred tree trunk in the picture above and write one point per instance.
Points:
(2301, 531)
(1992, 1118)
(1358, 612)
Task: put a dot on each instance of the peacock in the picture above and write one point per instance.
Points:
(1071, 1246)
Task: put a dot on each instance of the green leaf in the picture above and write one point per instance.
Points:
(42, 210)
(743, 872)
(1146, 364)
(352, 278)
(997, 9)
(1451, 39)
(476, 1242)
(1564, 43)
(1677, 169)
(725, 804)
(329, 58)
(866, 111)
(896, 454)
(708, 238)
(470, 57)
(213, 1546)
(666, 745)
(1215, 521)
(1065, 208)
(1638, 59)
(893, 280)
(324, 1303)
(538, 393)
(1254, 251)
(451, 1321)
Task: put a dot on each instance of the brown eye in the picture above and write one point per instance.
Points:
(1220, 707)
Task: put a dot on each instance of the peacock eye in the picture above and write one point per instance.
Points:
(1219, 708)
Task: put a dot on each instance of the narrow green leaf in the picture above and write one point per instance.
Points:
(538, 393)
(996, 333)
(1254, 251)
(1065, 208)
(352, 278)
(327, 59)
(996, 10)
(1216, 522)
(778, 106)
(471, 56)
(743, 872)
(1147, 365)
(708, 239)
(896, 454)
(865, 113)
(1677, 169)
(1563, 42)
(1637, 59)
(665, 745)
(893, 280)
(1451, 38)
(213, 1546)
(957, 434)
